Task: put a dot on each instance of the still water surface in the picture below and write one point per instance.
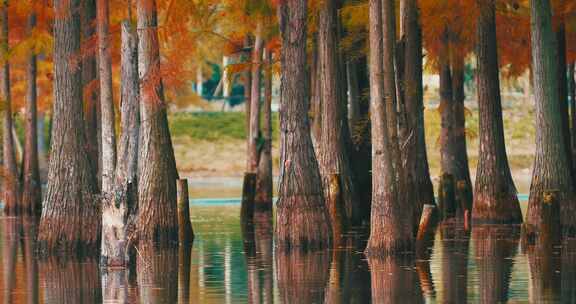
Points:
(485, 265)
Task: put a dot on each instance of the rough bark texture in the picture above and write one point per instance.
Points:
(31, 191)
(90, 85)
(494, 248)
(11, 183)
(572, 95)
(302, 218)
(495, 197)
(390, 91)
(157, 167)
(120, 204)
(264, 181)
(390, 229)
(414, 146)
(70, 215)
(332, 153)
(562, 79)
(108, 133)
(551, 165)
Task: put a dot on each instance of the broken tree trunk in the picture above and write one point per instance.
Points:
(185, 232)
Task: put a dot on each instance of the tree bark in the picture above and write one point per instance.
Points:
(120, 204)
(302, 218)
(108, 134)
(264, 181)
(31, 191)
(390, 90)
(157, 167)
(70, 216)
(90, 85)
(563, 80)
(390, 229)
(416, 160)
(495, 197)
(332, 153)
(572, 96)
(185, 232)
(551, 165)
(11, 184)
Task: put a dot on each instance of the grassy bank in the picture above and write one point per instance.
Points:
(213, 144)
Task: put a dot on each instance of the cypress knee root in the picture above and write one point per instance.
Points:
(185, 231)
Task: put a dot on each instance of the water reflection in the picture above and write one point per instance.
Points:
(494, 249)
(226, 266)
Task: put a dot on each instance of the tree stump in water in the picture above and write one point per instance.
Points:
(185, 231)
(447, 196)
(248, 196)
(428, 222)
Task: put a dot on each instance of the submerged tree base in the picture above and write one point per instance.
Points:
(503, 209)
(301, 224)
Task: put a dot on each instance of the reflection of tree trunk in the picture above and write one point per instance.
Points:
(29, 230)
(184, 255)
(11, 230)
(349, 277)
(263, 229)
(568, 269)
(302, 275)
(545, 276)
(71, 281)
(495, 246)
(157, 274)
(455, 243)
(115, 286)
(394, 280)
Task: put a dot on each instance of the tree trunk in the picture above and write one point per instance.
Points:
(119, 205)
(31, 191)
(11, 184)
(90, 84)
(572, 95)
(390, 91)
(563, 80)
(315, 107)
(252, 157)
(417, 169)
(390, 230)
(494, 249)
(108, 134)
(302, 218)
(263, 199)
(70, 215)
(551, 165)
(332, 153)
(495, 199)
(157, 167)
(185, 232)
(353, 93)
